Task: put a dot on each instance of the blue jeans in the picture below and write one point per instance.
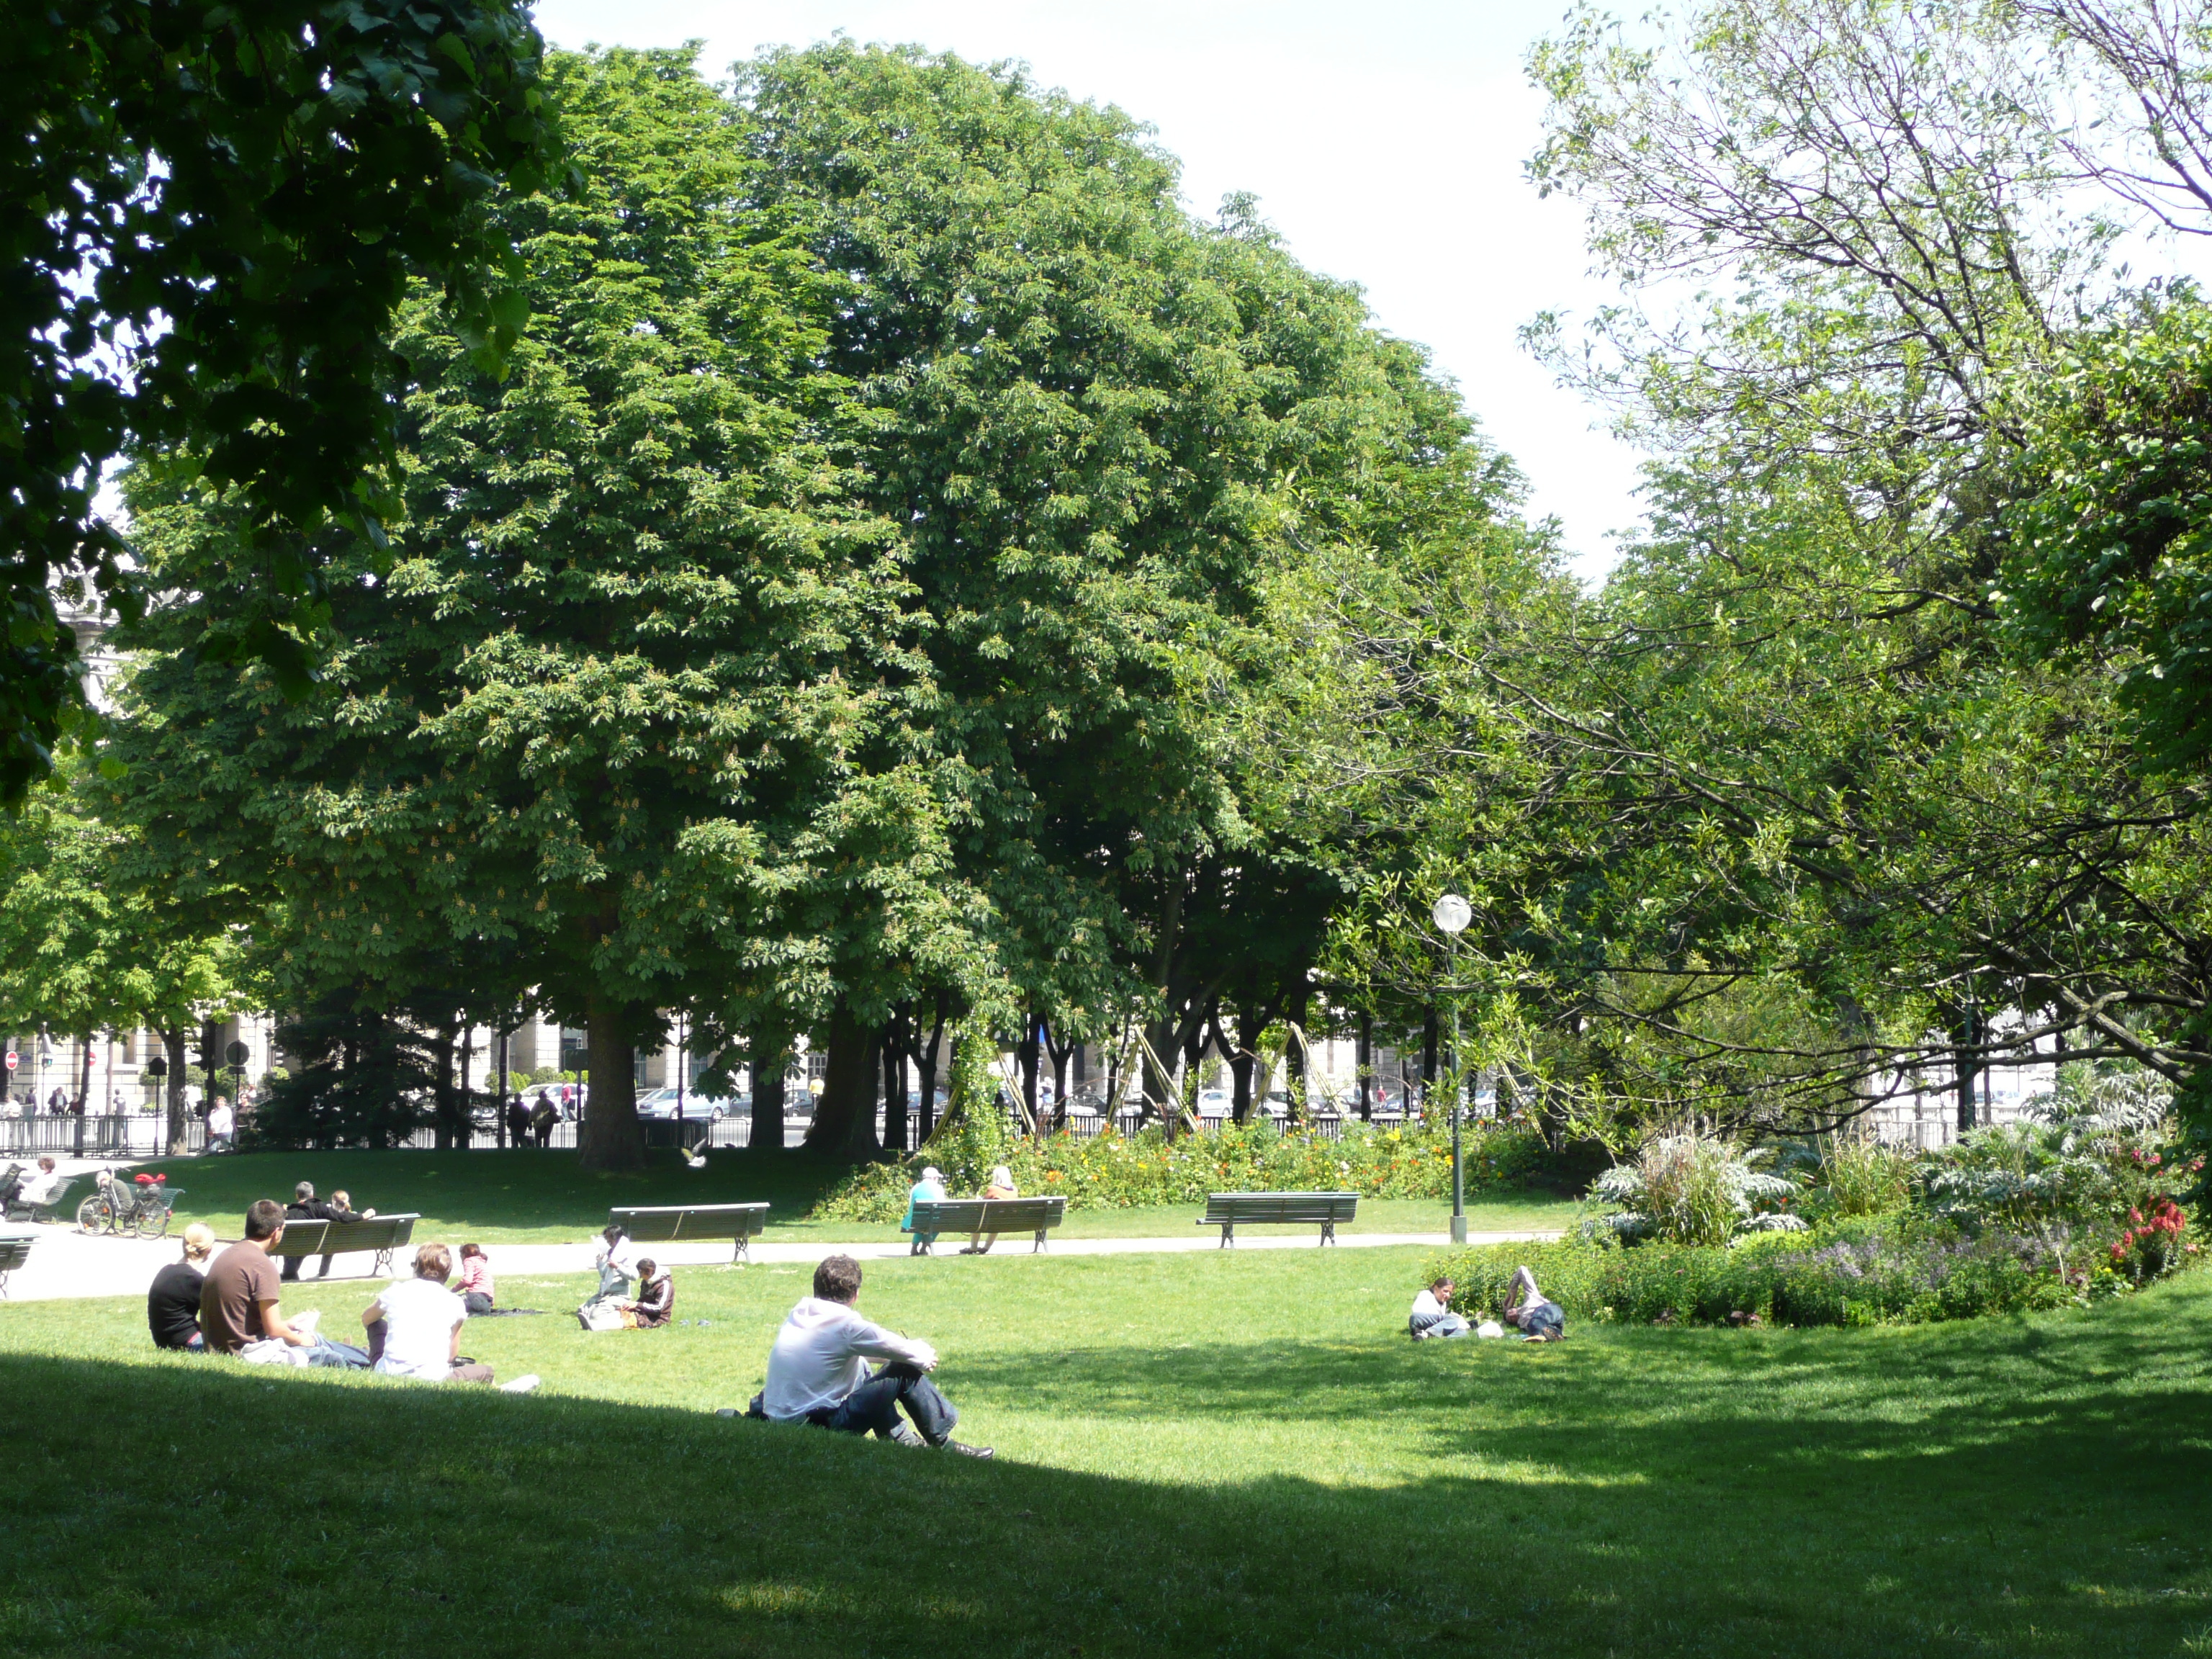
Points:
(337, 1356)
(875, 1406)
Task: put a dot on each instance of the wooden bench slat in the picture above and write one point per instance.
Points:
(666, 1224)
(383, 1234)
(987, 1215)
(1228, 1211)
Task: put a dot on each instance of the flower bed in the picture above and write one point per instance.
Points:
(1893, 1272)
(1116, 1171)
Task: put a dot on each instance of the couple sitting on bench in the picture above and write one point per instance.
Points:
(413, 1326)
(817, 1372)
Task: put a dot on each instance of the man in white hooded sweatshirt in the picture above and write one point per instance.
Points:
(817, 1372)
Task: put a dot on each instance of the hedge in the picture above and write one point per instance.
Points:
(1115, 1171)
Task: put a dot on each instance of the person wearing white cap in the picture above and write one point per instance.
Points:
(930, 1189)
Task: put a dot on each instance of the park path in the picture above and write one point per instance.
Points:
(65, 1264)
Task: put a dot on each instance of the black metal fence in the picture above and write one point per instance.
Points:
(134, 1135)
(101, 1135)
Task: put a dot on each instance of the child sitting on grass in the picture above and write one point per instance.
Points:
(655, 1300)
(476, 1287)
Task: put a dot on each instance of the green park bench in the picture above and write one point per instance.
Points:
(382, 1233)
(987, 1215)
(672, 1223)
(14, 1251)
(56, 1208)
(1230, 1211)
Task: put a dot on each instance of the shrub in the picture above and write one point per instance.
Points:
(1857, 1175)
(1693, 1189)
(1900, 1272)
(1117, 1171)
(2092, 1152)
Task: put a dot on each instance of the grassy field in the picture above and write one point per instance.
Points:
(543, 1198)
(1198, 1455)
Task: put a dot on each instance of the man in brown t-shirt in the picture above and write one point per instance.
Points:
(237, 1303)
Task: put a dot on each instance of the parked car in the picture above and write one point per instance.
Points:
(1213, 1102)
(661, 1102)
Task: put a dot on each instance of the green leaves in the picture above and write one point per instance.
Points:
(251, 189)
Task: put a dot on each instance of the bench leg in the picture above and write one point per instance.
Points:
(744, 1258)
(1040, 1242)
(383, 1264)
(1227, 1236)
(1328, 1232)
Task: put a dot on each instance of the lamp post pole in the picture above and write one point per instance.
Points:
(1451, 915)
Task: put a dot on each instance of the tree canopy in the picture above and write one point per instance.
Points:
(212, 214)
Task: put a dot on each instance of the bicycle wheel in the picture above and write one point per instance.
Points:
(153, 1219)
(92, 1215)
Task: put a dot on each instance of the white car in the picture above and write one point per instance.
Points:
(698, 1107)
(1213, 1102)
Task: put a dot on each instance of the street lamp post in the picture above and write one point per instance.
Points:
(1451, 915)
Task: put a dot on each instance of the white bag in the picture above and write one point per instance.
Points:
(1489, 1327)
(269, 1351)
(600, 1316)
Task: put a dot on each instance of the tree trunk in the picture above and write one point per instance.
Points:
(1967, 1035)
(1242, 1059)
(441, 1092)
(1296, 1055)
(768, 1056)
(610, 1138)
(84, 1077)
(925, 1069)
(894, 1052)
(464, 1116)
(845, 1116)
(1025, 1056)
(1366, 1069)
(174, 1041)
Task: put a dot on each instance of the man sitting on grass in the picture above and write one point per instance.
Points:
(415, 1327)
(817, 1372)
(237, 1303)
(1540, 1320)
(1433, 1315)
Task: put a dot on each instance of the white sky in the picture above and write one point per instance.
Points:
(1385, 145)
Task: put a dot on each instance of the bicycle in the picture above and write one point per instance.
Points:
(143, 1206)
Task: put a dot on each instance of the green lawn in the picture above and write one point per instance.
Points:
(543, 1198)
(1198, 1455)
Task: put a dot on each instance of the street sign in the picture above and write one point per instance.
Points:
(14, 1060)
(236, 1054)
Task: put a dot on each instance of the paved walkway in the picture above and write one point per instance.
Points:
(65, 1263)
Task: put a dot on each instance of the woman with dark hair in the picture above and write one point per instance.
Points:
(656, 1297)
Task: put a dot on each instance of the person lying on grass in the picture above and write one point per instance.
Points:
(415, 1327)
(817, 1372)
(238, 1312)
(1539, 1319)
(1433, 1315)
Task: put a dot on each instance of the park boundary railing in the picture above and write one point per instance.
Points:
(96, 1134)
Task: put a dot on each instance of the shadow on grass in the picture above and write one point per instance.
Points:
(2029, 1489)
